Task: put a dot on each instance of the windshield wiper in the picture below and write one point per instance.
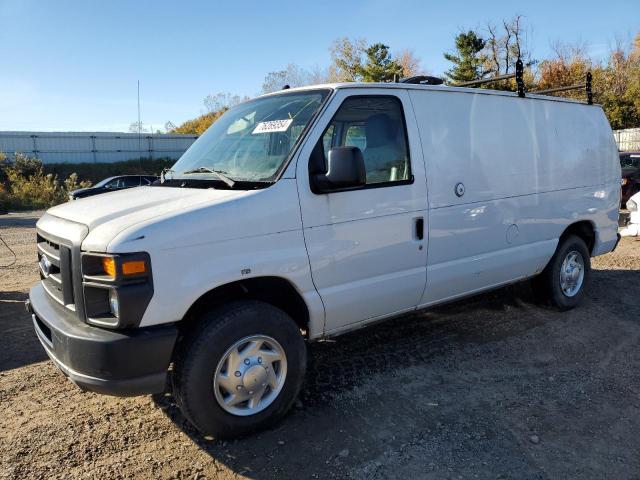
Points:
(219, 173)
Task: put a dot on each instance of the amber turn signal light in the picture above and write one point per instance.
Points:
(133, 267)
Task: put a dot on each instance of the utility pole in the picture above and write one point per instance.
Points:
(139, 125)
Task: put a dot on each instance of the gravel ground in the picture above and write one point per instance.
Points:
(490, 387)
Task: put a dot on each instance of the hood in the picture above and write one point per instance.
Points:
(125, 208)
(80, 190)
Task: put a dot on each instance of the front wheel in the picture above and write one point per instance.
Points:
(564, 279)
(240, 369)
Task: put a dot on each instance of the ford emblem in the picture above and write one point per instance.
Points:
(45, 265)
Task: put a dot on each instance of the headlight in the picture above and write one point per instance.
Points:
(117, 288)
(624, 181)
(114, 306)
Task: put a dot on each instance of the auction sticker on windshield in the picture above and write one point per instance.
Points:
(272, 126)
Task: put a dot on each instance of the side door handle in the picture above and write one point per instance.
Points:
(419, 228)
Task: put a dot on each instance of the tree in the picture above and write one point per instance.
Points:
(379, 66)
(216, 105)
(346, 59)
(198, 125)
(618, 87)
(137, 127)
(318, 75)
(409, 62)
(222, 101)
(468, 60)
(293, 75)
(505, 45)
(568, 66)
(616, 83)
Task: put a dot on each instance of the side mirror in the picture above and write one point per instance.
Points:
(345, 169)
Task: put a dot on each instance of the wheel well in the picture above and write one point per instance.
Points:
(273, 290)
(584, 230)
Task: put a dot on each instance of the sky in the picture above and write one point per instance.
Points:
(74, 65)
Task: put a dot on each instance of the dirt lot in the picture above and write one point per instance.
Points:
(491, 387)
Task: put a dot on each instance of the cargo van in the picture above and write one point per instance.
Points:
(310, 212)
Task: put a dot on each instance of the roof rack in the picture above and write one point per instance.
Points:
(586, 86)
(518, 75)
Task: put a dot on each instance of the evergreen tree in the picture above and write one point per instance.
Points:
(379, 66)
(468, 59)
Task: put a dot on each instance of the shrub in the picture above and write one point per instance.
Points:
(27, 183)
(4, 201)
(26, 186)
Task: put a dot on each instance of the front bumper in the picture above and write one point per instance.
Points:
(122, 363)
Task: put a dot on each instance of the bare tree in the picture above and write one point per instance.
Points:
(493, 48)
(409, 62)
(293, 75)
(221, 101)
(318, 75)
(505, 45)
(138, 127)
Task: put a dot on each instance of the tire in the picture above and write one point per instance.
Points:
(548, 285)
(200, 363)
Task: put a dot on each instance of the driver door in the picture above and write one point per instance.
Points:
(367, 246)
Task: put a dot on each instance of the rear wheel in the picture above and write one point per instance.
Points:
(240, 369)
(564, 279)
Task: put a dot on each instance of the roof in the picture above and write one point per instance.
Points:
(437, 88)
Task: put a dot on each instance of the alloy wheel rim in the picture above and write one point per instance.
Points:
(250, 375)
(572, 273)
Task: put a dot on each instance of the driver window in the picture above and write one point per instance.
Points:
(376, 126)
(130, 182)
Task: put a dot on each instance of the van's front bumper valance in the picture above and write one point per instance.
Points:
(113, 362)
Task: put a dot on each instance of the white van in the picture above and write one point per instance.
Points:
(310, 212)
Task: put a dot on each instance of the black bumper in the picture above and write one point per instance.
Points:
(123, 363)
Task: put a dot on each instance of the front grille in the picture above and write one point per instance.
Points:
(54, 260)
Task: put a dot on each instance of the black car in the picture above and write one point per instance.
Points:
(630, 164)
(113, 183)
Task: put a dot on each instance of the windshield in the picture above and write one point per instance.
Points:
(251, 141)
(102, 183)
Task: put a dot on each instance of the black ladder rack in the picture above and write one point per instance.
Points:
(518, 75)
(586, 86)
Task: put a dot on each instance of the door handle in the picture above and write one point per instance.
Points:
(419, 228)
